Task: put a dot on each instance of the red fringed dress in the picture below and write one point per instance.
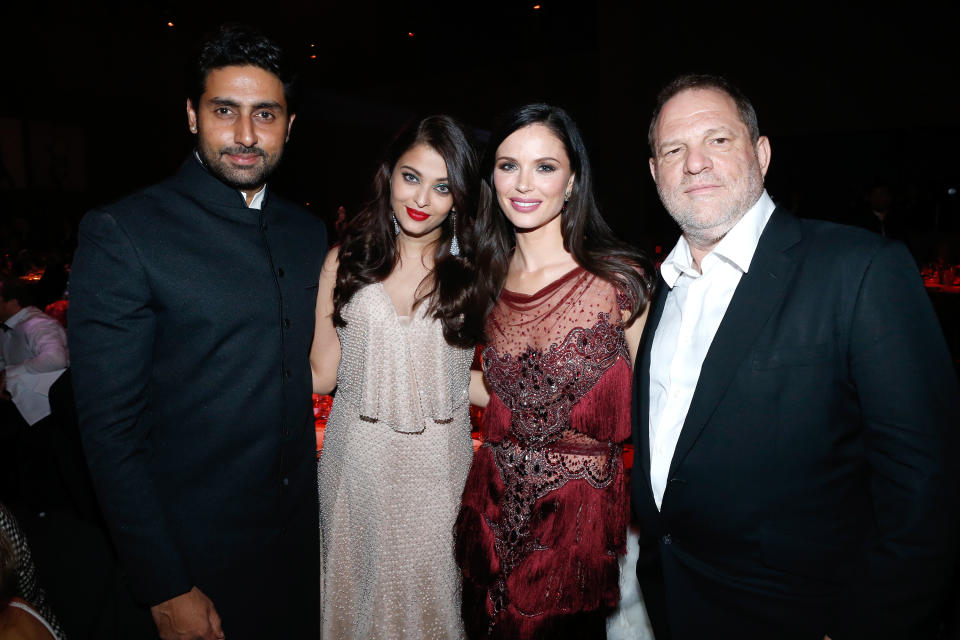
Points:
(545, 508)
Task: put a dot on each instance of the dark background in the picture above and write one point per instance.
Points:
(93, 99)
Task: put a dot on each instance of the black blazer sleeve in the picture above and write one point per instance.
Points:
(908, 394)
(111, 336)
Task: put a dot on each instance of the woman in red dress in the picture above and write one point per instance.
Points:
(545, 508)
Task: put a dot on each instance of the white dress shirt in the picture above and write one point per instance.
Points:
(692, 313)
(33, 354)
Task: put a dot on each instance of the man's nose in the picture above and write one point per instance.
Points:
(697, 160)
(244, 132)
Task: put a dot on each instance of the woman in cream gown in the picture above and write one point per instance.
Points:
(398, 313)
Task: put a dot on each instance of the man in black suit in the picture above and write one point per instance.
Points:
(191, 317)
(795, 408)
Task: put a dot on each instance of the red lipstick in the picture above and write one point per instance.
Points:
(419, 216)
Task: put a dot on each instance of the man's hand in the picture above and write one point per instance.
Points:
(190, 616)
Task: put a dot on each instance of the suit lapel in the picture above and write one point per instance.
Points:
(757, 294)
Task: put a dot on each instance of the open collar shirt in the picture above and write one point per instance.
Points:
(693, 310)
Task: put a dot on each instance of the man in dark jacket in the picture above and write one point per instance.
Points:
(795, 407)
(191, 319)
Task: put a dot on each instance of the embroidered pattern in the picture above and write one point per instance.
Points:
(542, 453)
(541, 387)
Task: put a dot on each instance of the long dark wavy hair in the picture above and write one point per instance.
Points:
(586, 234)
(368, 251)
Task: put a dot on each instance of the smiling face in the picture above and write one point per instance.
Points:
(532, 176)
(707, 170)
(420, 194)
(242, 124)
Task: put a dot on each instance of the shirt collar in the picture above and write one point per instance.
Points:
(736, 248)
(18, 317)
(256, 202)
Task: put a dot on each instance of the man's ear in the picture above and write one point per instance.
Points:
(191, 116)
(289, 126)
(763, 154)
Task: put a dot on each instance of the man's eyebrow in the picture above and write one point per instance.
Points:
(727, 131)
(230, 102)
(668, 143)
(270, 104)
(225, 102)
(715, 130)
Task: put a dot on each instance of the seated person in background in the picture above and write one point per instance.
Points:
(24, 613)
(33, 355)
(33, 352)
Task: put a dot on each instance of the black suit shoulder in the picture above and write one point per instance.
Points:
(845, 238)
(842, 253)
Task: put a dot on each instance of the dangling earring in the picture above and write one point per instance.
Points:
(454, 245)
(396, 226)
(566, 199)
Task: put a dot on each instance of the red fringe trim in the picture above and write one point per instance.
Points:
(604, 413)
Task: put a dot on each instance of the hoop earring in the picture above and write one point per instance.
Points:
(396, 226)
(454, 244)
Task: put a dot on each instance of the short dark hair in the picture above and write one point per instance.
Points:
(240, 45)
(16, 289)
(689, 81)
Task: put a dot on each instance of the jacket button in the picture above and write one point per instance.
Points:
(286, 323)
(286, 482)
(667, 539)
(286, 374)
(280, 272)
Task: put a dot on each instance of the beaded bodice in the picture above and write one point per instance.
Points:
(401, 373)
(549, 349)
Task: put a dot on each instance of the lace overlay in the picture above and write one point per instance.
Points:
(540, 388)
(548, 352)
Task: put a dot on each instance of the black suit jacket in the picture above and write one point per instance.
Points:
(813, 488)
(190, 323)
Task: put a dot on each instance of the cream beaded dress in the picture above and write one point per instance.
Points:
(396, 453)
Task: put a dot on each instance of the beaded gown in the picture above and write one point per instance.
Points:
(396, 453)
(545, 507)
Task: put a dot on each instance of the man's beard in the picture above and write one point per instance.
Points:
(244, 178)
(706, 231)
